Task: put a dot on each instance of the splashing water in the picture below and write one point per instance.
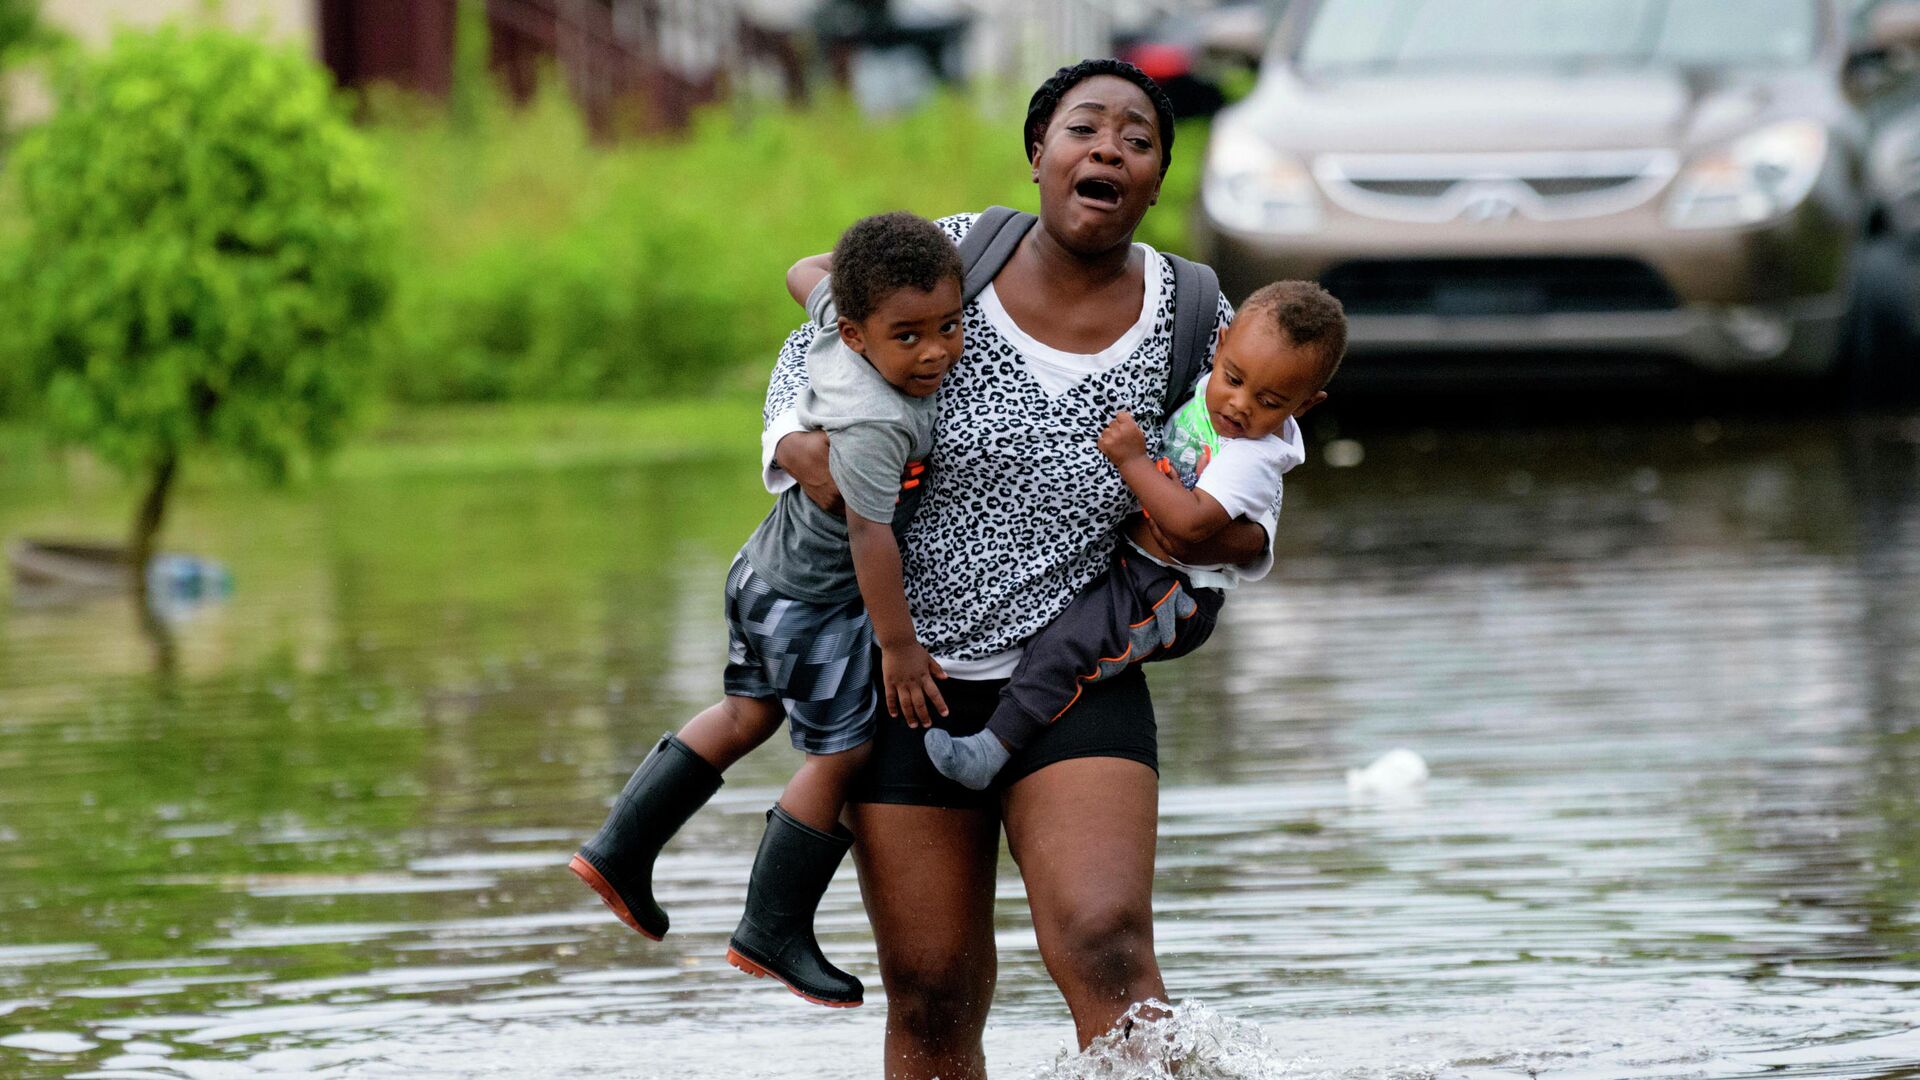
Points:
(1190, 1041)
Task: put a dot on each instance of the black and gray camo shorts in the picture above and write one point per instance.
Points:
(816, 658)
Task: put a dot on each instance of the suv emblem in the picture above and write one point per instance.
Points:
(1489, 206)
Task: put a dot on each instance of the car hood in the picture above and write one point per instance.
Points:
(1503, 112)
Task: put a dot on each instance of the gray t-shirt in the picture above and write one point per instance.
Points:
(879, 437)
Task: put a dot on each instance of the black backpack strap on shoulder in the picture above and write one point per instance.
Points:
(1196, 307)
(989, 244)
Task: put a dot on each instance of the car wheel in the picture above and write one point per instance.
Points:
(1878, 364)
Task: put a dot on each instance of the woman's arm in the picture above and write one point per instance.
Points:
(803, 456)
(1241, 542)
(804, 276)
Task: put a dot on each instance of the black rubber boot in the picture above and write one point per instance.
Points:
(661, 795)
(775, 936)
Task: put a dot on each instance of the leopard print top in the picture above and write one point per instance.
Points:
(1020, 510)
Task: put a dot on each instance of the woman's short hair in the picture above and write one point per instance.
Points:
(1046, 99)
(879, 254)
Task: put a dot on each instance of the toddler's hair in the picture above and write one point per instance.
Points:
(879, 254)
(1046, 100)
(1309, 316)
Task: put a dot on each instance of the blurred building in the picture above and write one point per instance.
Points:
(629, 63)
(648, 63)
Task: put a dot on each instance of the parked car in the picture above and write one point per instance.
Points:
(1730, 184)
(1194, 55)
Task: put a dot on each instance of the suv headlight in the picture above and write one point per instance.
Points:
(1758, 176)
(1252, 187)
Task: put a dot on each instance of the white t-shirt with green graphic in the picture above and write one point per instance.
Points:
(1242, 475)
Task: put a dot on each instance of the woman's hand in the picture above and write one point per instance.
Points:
(909, 673)
(803, 455)
(1123, 441)
(1239, 543)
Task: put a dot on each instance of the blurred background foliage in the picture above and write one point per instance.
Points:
(19, 27)
(539, 263)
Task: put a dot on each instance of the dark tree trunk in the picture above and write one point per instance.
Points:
(146, 528)
(146, 525)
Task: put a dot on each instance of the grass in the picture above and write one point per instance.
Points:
(457, 439)
(414, 440)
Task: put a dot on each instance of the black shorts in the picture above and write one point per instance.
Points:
(1113, 718)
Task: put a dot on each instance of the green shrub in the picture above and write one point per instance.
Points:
(207, 249)
(542, 266)
(18, 26)
(16, 397)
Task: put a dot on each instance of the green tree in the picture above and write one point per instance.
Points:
(19, 27)
(18, 19)
(207, 248)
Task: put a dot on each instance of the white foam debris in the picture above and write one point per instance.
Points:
(1397, 772)
(49, 1042)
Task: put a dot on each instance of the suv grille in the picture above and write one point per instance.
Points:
(1495, 287)
(1539, 186)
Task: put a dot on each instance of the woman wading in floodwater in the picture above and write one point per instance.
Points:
(1020, 512)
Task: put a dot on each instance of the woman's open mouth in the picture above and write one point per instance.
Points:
(1104, 194)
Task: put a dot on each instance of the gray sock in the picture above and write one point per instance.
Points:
(974, 760)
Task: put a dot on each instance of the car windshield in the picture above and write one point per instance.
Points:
(1380, 35)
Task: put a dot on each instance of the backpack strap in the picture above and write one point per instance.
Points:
(1196, 293)
(1196, 304)
(989, 244)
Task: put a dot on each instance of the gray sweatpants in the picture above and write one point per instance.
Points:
(1135, 612)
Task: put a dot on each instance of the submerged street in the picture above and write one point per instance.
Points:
(1666, 676)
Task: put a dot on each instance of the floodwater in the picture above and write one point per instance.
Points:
(1666, 676)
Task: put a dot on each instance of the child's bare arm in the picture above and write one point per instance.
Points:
(804, 275)
(906, 669)
(1183, 516)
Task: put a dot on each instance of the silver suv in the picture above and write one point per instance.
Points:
(1733, 184)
